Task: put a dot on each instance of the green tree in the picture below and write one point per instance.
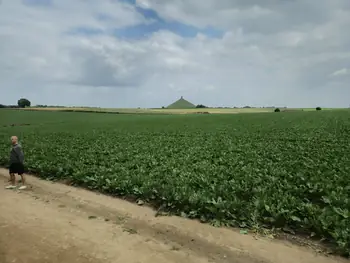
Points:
(22, 103)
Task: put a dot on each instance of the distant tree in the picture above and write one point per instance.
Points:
(2, 106)
(246, 107)
(163, 107)
(22, 103)
(277, 110)
(201, 106)
(318, 108)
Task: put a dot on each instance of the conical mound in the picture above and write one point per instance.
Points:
(181, 104)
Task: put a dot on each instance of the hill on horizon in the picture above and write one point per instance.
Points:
(181, 104)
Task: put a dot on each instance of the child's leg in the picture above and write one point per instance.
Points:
(12, 181)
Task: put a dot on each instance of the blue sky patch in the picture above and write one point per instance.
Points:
(145, 30)
(158, 23)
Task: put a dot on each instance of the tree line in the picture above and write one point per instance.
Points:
(21, 103)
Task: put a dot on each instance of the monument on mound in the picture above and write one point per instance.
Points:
(181, 104)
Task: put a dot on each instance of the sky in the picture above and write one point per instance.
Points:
(149, 53)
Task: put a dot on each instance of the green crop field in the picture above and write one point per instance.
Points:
(288, 170)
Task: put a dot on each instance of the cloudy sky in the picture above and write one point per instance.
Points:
(148, 53)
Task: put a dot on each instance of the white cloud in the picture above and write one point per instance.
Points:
(275, 54)
(341, 72)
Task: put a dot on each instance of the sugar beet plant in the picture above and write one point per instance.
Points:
(288, 170)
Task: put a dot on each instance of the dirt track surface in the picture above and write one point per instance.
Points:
(55, 223)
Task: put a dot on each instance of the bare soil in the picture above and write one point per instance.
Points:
(55, 223)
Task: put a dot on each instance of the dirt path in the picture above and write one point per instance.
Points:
(54, 223)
